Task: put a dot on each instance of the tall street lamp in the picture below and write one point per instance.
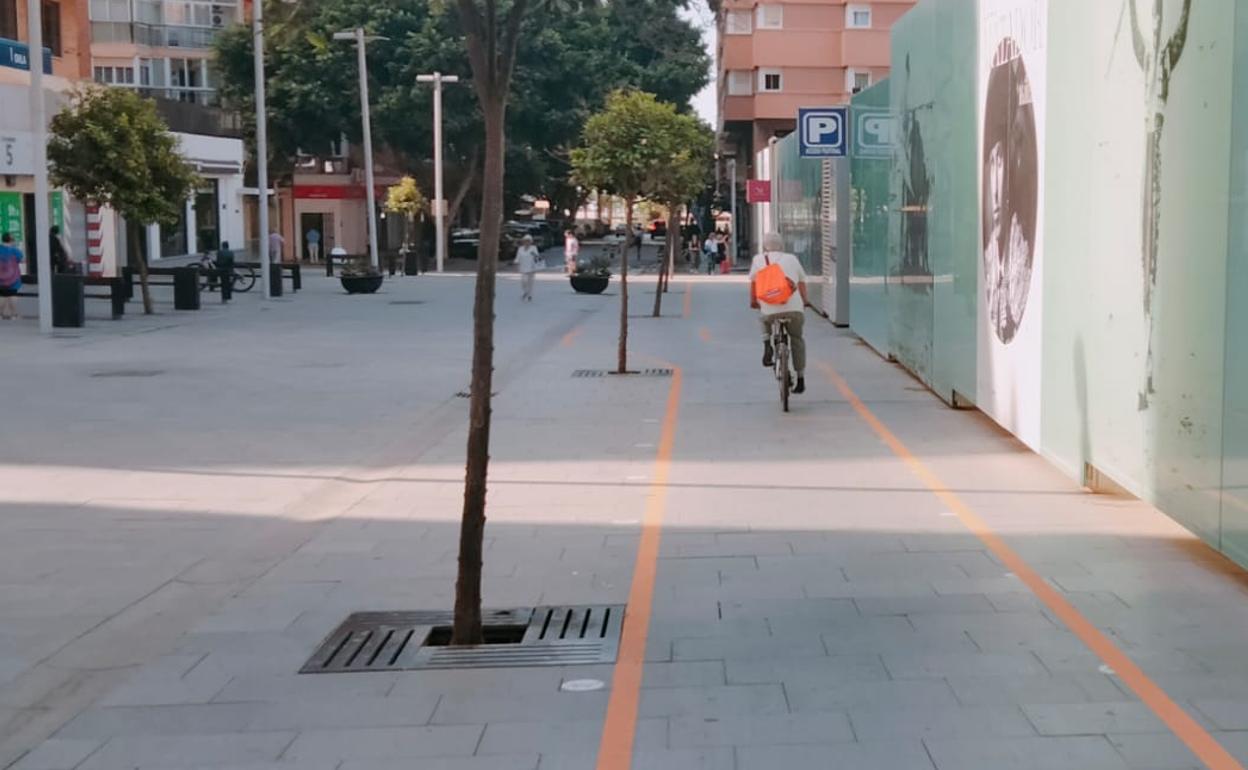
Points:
(361, 43)
(439, 202)
(262, 148)
(39, 130)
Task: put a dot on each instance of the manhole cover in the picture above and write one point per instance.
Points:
(404, 641)
(588, 373)
(118, 373)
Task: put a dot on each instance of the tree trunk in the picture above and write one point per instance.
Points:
(622, 367)
(467, 628)
(658, 286)
(139, 260)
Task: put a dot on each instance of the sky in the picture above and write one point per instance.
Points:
(705, 103)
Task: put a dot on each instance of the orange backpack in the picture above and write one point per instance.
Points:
(772, 285)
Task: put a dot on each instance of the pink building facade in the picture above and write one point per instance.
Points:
(778, 55)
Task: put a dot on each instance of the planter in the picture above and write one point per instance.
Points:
(590, 284)
(361, 284)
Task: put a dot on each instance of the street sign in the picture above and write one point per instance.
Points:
(823, 132)
(875, 132)
(17, 153)
(17, 56)
(758, 191)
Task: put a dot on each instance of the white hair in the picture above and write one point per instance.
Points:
(773, 242)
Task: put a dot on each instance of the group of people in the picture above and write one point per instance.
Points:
(713, 250)
(11, 259)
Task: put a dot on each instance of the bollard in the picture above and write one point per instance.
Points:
(117, 295)
(186, 288)
(69, 309)
(275, 280)
(296, 277)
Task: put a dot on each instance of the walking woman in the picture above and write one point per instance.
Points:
(571, 251)
(528, 260)
(10, 276)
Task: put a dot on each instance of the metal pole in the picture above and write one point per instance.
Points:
(439, 214)
(262, 149)
(38, 116)
(371, 192)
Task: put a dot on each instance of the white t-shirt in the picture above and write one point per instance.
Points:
(527, 258)
(792, 267)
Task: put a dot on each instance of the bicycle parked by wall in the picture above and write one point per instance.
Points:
(244, 277)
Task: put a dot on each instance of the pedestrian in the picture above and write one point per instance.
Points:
(571, 251)
(721, 252)
(313, 237)
(528, 261)
(61, 261)
(225, 271)
(10, 276)
(277, 244)
(710, 250)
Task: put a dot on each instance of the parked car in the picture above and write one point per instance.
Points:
(658, 228)
(466, 244)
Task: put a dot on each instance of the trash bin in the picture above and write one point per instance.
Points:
(338, 253)
(411, 262)
(186, 288)
(68, 301)
(275, 279)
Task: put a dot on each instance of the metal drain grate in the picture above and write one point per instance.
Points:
(405, 641)
(589, 373)
(118, 373)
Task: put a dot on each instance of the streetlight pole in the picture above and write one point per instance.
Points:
(361, 43)
(38, 116)
(439, 203)
(732, 191)
(262, 149)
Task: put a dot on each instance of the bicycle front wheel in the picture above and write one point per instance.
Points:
(244, 279)
(785, 378)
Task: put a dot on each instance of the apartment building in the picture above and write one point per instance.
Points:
(778, 55)
(162, 47)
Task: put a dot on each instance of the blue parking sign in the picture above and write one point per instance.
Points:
(823, 132)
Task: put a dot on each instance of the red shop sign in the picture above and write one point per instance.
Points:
(758, 191)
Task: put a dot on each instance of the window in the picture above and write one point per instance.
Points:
(740, 83)
(740, 23)
(857, 80)
(8, 19)
(121, 76)
(770, 80)
(52, 27)
(110, 10)
(771, 17)
(858, 16)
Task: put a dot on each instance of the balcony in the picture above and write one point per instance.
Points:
(154, 35)
(190, 118)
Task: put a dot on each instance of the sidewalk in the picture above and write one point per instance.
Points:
(175, 545)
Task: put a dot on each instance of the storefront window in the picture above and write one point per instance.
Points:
(207, 217)
(173, 237)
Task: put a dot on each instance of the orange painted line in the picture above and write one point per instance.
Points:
(688, 300)
(705, 334)
(569, 339)
(615, 751)
(1196, 738)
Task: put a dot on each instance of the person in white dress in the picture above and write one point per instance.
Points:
(528, 261)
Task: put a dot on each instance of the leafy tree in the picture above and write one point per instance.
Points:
(692, 146)
(111, 148)
(631, 149)
(406, 199)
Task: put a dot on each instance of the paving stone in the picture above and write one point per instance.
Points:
(1004, 690)
(940, 666)
(477, 708)
(780, 729)
(916, 722)
(827, 670)
(716, 758)
(806, 646)
(710, 702)
(1156, 751)
(385, 743)
(1093, 718)
(698, 673)
(804, 696)
(58, 754)
(925, 604)
(497, 762)
(1085, 753)
(315, 714)
(138, 751)
(306, 686)
(563, 737)
(1224, 714)
(204, 719)
(894, 755)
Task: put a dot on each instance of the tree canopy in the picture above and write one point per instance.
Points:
(568, 61)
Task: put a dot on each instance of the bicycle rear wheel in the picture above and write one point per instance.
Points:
(244, 279)
(785, 378)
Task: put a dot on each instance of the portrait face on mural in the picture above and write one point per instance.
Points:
(1009, 190)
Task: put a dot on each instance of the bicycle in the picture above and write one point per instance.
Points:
(244, 278)
(780, 359)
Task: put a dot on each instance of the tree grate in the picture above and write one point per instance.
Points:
(411, 641)
(468, 394)
(596, 373)
(128, 373)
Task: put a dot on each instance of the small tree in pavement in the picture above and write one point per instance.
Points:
(111, 148)
(406, 199)
(627, 150)
(685, 175)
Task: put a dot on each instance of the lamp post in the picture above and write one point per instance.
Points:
(439, 202)
(361, 43)
(262, 150)
(732, 192)
(39, 130)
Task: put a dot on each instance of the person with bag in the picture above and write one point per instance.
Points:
(10, 276)
(778, 291)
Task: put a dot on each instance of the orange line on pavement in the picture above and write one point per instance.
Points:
(615, 752)
(570, 337)
(705, 334)
(688, 300)
(1187, 729)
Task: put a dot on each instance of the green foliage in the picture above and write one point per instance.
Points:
(639, 147)
(569, 59)
(405, 198)
(598, 267)
(112, 148)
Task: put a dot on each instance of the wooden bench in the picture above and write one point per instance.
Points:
(116, 294)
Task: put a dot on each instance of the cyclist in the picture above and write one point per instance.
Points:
(790, 309)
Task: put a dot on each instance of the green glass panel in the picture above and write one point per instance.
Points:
(872, 211)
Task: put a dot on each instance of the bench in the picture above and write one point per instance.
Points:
(184, 280)
(71, 315)
(293, 268)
